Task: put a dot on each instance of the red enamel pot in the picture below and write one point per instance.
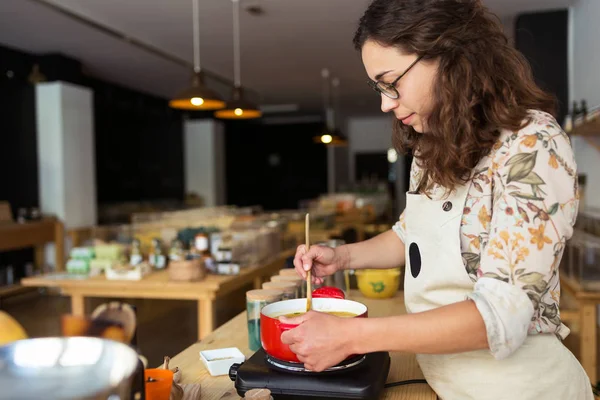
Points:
(324, 300)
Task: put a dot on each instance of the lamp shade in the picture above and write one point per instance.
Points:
(331, 138)
(197, 97)
(238, 107)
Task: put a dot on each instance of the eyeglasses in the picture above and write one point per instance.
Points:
(389, 89)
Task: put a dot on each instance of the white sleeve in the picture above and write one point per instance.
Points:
(400, 228)
(506, 310)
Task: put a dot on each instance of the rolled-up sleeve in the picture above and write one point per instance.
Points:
(534, 209)
(400, 228)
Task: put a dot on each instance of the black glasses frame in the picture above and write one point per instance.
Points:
(381, 87)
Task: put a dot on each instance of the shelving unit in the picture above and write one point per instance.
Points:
(590, 130)
(14, 236)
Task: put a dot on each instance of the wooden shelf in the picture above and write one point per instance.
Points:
(13, 290)
(587, 128)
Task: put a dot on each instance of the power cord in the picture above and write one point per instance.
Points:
(407, 382)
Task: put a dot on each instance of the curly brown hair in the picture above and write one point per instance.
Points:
(483, 83)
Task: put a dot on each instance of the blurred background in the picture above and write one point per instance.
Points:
(94, 130)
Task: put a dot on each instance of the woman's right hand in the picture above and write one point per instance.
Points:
(322, 261)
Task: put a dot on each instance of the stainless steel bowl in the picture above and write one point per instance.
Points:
(66, 368)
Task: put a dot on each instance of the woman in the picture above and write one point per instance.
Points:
(492, 201)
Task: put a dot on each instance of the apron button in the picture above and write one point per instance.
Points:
(447, 206)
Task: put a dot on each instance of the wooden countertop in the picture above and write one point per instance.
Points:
(235, 334)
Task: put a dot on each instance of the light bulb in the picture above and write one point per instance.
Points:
(197, 101)
(238, 111)
(392, 156)
(326, 139)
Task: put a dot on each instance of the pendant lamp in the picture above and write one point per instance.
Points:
(238, 107)
(198, 96)
(338, 139)
(330, 136)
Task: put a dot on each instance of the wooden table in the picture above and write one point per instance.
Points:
(235, 334)
(158, 286)
(587, 304)
(15, 236)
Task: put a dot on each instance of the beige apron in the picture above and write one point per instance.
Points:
(542, 368)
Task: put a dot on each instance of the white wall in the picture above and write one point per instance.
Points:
(205, 160)
(584, 66)
(66, 156)
(374, 134)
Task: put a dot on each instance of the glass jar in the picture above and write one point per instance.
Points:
(289, 289)
(255, 301)
(299, 282)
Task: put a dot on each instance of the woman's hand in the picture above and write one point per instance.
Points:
(320, 340)
(321, 260)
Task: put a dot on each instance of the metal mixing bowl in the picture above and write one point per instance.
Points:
(66, 368)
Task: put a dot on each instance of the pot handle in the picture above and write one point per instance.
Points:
(286, 327)
(328, 292)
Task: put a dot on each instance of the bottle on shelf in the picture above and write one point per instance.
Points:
(203, 249)
(156, 257)
(176, 252)
(136, 253)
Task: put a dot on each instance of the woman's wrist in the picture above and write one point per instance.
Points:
(342, 255)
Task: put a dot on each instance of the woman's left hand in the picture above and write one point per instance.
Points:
(320, 340)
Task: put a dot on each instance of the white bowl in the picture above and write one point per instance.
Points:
(219, 361)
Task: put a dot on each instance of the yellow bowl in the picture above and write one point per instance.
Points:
(378, 283)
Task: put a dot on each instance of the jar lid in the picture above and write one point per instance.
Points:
(285, 286)
(258, 394)
(282, 278)
(288, 272)
(264, 294)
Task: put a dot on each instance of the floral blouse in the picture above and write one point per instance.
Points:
(520, 211)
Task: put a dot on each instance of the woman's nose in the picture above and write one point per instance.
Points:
(388, 104)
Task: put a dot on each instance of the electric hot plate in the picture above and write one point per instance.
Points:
(361, 377)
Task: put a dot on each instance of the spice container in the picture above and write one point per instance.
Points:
(158, 383)
(288, 272)
(289, 289)
(255, 301)
(301, 287)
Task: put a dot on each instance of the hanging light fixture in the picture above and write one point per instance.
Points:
(330, 136)
(238, 107)
(198, 96)
(338, 138)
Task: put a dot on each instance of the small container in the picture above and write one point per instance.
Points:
(300, 283)
(289, 289)
(218, 361)
(378, 283)
(255, 301)
(159, 387)
(289, 272)
(186, 270)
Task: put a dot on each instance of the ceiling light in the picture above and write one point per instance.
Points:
(198, 96)
(238, 107)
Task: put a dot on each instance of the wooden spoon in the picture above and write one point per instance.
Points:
(308, 277)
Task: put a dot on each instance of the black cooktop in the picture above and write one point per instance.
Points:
(366, 381)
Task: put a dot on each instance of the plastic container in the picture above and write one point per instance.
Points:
(218, 361)
(378, 283)
(255, 301)
(581, 260)
(160, 387)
